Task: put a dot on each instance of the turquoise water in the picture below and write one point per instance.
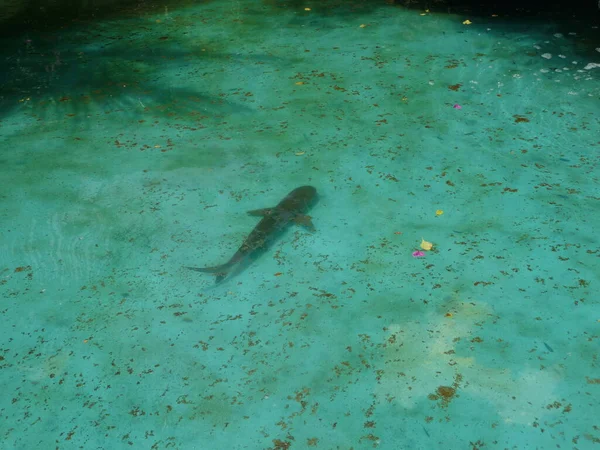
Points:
(135, 142)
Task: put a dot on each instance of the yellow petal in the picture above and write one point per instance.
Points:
(426, 245)
(467, 22)
(439, 212)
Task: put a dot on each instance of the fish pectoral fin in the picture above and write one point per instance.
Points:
(305, 221)
(261, 212)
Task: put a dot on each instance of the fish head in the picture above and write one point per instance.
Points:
(300, 199)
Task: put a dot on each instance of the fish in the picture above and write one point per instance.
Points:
(291, 210)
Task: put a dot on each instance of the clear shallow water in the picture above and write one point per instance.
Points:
(134, 145)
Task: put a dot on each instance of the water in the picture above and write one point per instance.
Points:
(135, 141)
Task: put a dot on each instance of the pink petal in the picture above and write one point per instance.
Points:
(418, 254)
(457, 106)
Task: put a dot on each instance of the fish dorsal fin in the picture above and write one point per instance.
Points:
(261, 212)
(305, 221)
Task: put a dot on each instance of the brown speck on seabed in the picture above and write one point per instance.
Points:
(519, 118)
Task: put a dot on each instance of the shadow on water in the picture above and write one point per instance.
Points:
(72, 62)
(17, 16)
(112, 63)
(49, 86)
(476, 8)
(510, 16)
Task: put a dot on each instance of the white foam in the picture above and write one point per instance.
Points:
(592, 66)
(547, 55)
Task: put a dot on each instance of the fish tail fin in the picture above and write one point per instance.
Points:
(220, 271)
(215, 270)
(220, 277)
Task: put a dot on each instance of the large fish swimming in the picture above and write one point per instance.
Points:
(292, 209)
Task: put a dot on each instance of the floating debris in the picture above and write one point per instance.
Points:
(425, 245)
